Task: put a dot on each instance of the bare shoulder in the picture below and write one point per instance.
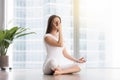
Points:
(47, 38)
(51, 40)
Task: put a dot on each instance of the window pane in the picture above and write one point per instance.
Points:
(94, 37)
(29, 51)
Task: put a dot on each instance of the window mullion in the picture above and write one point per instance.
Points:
(76, 26)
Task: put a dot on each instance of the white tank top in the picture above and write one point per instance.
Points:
(53, 52)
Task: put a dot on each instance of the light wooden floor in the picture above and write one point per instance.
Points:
(36, 74)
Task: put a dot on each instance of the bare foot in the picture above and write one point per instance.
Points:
(58, 72)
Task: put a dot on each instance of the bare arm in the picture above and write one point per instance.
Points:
(60, 40)
(53, 42)
(65, 53)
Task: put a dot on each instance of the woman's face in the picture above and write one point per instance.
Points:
(56, 21)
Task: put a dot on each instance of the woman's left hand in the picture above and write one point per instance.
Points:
(81, 60)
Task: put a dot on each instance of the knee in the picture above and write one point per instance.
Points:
(78, 68)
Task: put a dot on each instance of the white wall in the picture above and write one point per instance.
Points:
(1, 13)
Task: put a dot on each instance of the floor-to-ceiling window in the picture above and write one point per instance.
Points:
(29, 51)
(95, 32)
(93, 37)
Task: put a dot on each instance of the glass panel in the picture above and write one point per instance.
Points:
(29, 51)
(94, 37)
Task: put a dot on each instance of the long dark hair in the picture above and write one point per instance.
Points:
(50, 25)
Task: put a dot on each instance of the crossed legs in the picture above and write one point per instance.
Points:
(72, 69)
(53, 67)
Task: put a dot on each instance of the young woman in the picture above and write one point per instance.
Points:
(56, 51)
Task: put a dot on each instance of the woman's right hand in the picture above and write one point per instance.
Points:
(58, 26)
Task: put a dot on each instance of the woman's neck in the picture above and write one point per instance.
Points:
(54, 32)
